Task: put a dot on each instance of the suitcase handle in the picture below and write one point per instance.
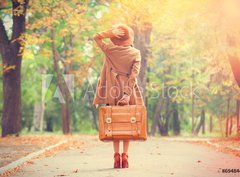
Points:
(124, 105)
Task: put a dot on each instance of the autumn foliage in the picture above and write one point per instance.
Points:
(190, 63)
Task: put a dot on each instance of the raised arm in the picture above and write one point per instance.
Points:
(113, 32)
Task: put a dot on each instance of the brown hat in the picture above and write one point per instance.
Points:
(128, 37)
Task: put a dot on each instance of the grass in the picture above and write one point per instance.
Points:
(86, 131)
(59, 132)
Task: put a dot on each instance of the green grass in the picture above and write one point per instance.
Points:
(59, 132)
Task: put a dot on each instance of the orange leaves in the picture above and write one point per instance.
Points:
(67, 62)
(136, 12)
(81, 73)
(19, 10)
(22, 41)
(20, 1)
(57, 13)
(225, 145)
(46, 22)
(64, 32)
(7, 69)
(3, 3)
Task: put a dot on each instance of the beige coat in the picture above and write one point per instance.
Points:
(119, 75)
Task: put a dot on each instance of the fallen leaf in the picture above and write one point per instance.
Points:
(30, 162)
(75, 171)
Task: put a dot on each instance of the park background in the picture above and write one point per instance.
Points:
(51, 65)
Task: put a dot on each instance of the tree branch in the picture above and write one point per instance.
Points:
(19, 20)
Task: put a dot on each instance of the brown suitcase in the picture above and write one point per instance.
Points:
(122, 123)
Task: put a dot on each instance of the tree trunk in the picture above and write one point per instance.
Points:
(238, 117)
(176, 123)
(142, 42)
(65, 103)
(203, 121)
(157, 115)
(162, 126)
(201, 124)
(234, 60)
(227, 126)
(220, 124)
(65, 118)
(94, 113)
(193, 113)
(39, 108)
(38, 116)
(235, 65)
(230, 126)
(211, 124)
(168, 113)
(49, 125)
(163, 122)
(11, 52)
(228, 118)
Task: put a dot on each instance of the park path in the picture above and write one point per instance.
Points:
(157, 157)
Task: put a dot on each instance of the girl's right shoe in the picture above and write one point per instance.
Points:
(117, 161)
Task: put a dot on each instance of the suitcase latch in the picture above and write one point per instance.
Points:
(109, 120)
(133, 119)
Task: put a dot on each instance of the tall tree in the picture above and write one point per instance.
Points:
(59, 25)
(64, 92)
(142, 42)
(11, 52)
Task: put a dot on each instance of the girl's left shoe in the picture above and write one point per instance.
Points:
(124, 160)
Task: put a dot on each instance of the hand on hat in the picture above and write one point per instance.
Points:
(118, 32)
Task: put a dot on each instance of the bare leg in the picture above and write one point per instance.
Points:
(125, 146)
(116, 146)
(117, 157)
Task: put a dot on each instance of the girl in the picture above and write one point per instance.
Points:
(118, 79)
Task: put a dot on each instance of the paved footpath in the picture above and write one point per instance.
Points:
(154, 158)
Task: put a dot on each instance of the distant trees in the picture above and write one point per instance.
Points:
(59, 25)
(184, 61)
(186, 48)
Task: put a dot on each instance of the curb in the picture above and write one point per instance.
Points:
(217, 146)
(21, 161)
(203, 140)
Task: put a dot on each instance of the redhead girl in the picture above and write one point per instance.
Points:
(118, 79)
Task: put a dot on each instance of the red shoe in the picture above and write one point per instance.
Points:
(117, 160)
(124, 160)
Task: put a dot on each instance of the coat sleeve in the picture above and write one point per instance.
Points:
(99, 40)
(132, 79)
